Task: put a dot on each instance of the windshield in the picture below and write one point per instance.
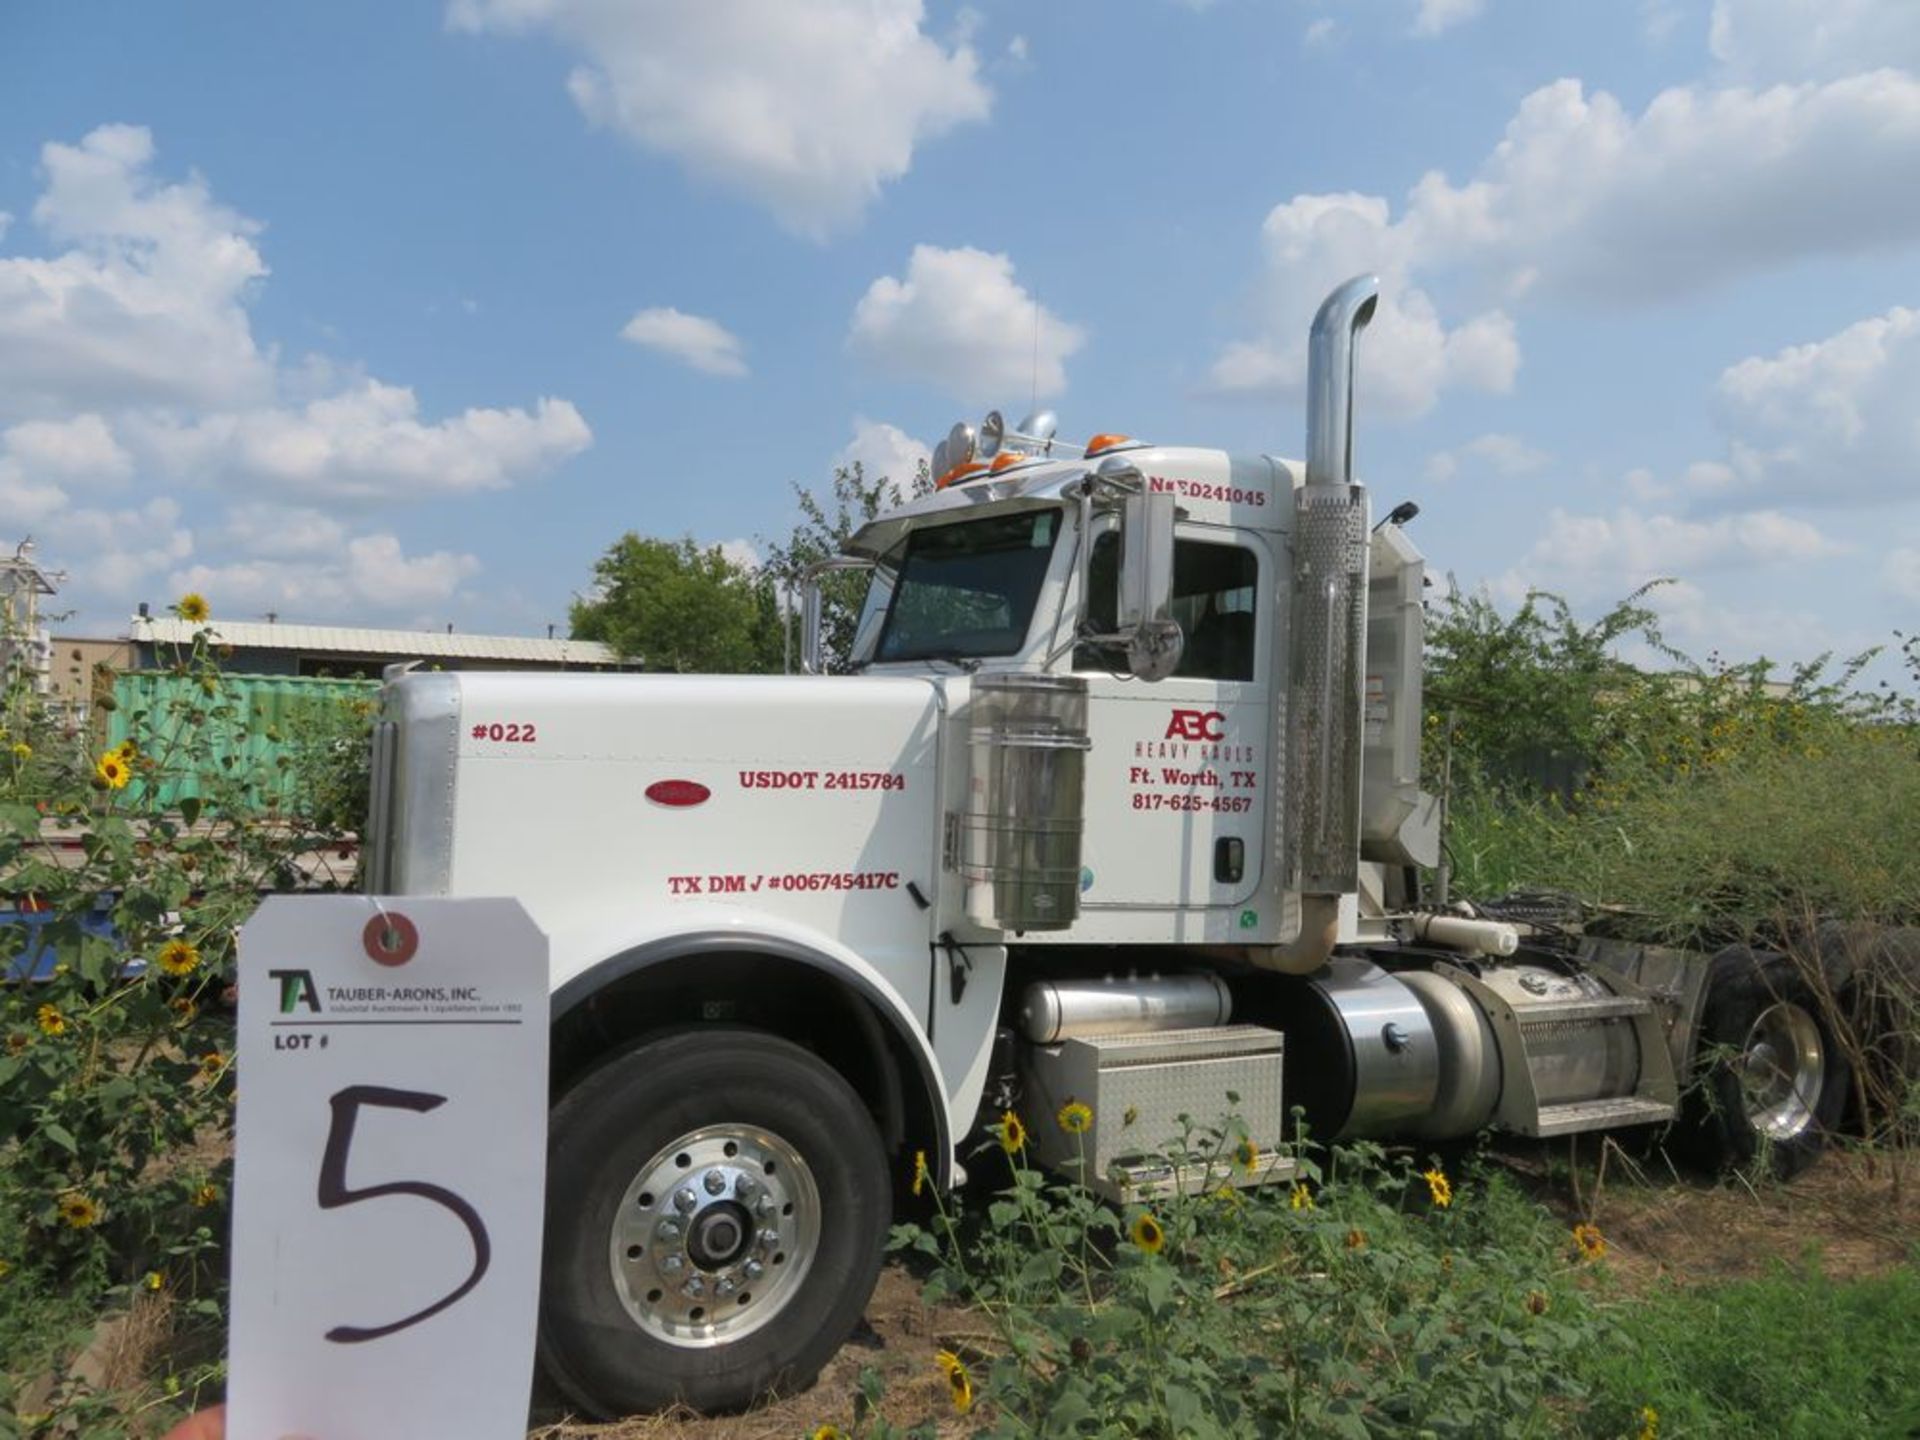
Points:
(961, 591)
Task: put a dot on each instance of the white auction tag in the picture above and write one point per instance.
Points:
(389, 1158)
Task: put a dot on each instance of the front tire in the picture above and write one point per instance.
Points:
(1773, 1079)
(717, 1205)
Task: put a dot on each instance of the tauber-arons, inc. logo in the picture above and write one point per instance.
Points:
(297, 988)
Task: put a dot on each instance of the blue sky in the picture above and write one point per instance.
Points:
(400, 314)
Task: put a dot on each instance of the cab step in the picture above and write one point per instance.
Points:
(1610, 1114)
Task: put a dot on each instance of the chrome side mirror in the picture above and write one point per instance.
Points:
(813, 659)
(1154, 639)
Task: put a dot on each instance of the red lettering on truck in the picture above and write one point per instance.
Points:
(1196, 725)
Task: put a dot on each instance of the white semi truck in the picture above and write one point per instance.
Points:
(1120, 804)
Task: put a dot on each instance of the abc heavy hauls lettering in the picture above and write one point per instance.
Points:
(1113, 711)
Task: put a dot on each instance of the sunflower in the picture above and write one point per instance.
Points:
(959, 1384)
(1588, 1240)
(153, 1280)
(77, 1210)
(1438, 1186)
(178, 957)
(212, 1063)
(22, 750)
(192, 608)
(826, 1432)
(50, 1020)
(1147, 1233)
(1649, 1423)
(1300, 1198)
(1075, 1118)
(203, 1197)
(111, 770)
(1536, 1302)
(184, 1006)
(1011, 1133)
(920, 1173)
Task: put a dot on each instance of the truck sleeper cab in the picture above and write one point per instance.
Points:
(1120, 807)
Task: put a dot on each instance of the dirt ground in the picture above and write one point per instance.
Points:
(1859, 1217)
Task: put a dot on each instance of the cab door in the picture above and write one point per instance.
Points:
(1177, 779)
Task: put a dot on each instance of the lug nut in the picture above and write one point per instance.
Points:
(769, 1238)
(725, 1288)
(694, 1288)
(667, 1230)
(684, 1199)
(715, 1181)
(765, 1205)
(745, 1188)
(672, 1264)
(753, 1270)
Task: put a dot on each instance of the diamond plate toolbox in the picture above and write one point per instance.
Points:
(1139, 1087)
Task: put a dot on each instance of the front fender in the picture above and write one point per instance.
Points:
(588, 959)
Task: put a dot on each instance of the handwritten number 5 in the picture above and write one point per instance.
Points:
(334, 1193)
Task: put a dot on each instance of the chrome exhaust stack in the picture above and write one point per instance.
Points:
(1319, 832)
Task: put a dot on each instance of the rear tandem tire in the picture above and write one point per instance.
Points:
(717, 1205)
(1770, 1078)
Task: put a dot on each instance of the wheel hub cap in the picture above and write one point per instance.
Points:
(1783, 1068)
(714, 1235)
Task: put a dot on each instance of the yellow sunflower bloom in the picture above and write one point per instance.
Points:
(112, 771)
(203, 1197)
(50, 1020)
(22, 750)
(920, 1172)
(178, 957)
(192, 608)
(212, 1063)
(1588, 1240)
(827, 1432)
(1649, 1423)
(77, 1210)
(1247, 1156)
(1075, 1118)
(1011, 1133)
(959, 1384)
(1438, 1187)
(1300, 1198)
(1148, 1234)
(153, 1280)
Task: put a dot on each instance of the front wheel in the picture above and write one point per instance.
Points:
(1773, 1076)
(717, 1203)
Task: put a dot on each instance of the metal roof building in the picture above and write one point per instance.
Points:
(273, 649)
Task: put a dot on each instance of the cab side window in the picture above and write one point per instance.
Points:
(1214, 590)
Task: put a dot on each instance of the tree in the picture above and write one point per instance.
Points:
(675, 605)
(823, 530)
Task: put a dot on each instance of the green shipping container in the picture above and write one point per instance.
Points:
(262, 713)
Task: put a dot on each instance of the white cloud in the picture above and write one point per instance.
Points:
(368, 444)
(82, 448)
(1313, 243)
(1018, 51)
(807, 109)
(1437, 15)
(281, 532)
(147, 307)
(706, 345)
(743, 553)
(1609, 555)
(1504, 455)
(1321, 31)
(1767, 39)
(1581, 197)
(371, 574)
(1830, 421)
(960, 322)
(122, 548)
(1900, 572)
(881, 449)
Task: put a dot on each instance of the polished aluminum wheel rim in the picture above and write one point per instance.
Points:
(1783, 1066)
(715, 1235)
